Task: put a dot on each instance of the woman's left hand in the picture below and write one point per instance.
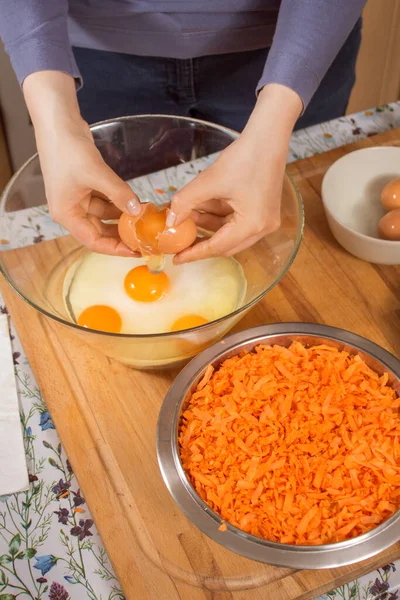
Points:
(239, 196)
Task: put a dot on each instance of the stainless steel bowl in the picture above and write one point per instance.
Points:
(283, 555)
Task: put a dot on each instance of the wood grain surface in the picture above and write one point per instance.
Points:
(106, 414)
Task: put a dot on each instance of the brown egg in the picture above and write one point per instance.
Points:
(127, 231)
(148, 233)
(148, 228)
(389, 225)
(176, 239)
(390, 195)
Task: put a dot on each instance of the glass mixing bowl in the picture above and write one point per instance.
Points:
(157, 155)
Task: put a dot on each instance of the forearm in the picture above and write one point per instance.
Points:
(272, 121)
(51, 100)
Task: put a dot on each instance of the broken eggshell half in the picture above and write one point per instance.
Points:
(149, 234)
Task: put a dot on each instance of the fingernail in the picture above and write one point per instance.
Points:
(133, 207)
(171, 219)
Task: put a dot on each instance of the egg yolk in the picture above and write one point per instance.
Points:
(102, 318)
(144, 286)
(187, 322)
(149, 227)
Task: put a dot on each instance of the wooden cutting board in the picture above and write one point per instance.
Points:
(106, 414)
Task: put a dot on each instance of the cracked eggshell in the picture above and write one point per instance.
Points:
(127, 231)
(176, 239)
(141, 232)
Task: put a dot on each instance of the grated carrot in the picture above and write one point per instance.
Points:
(296, 445)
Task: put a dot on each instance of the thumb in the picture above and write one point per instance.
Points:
(189, 198)
(118, 191)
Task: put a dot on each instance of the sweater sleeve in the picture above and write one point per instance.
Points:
(35, 35)
(308, 36)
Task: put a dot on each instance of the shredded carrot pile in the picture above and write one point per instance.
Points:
(295, 445)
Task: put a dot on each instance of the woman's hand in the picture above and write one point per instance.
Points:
(82, 191)
(239, 195)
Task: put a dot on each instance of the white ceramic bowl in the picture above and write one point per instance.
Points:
(351, 192)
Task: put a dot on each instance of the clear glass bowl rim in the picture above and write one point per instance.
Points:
(245, 307)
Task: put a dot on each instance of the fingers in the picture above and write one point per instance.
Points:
(208, 221)
(272, 225)
(97, 236)
(213, 214)
(189, 198)
(102, 209)
(245, 244)
(84, 216)
(216, 206)
(106, 229)
(233, 237)
(117, 190)
(229, 236)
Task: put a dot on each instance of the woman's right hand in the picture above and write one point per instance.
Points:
(81, 190)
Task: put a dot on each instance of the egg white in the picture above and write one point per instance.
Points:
(210, 288)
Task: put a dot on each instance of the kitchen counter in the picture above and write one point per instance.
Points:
(65, 557)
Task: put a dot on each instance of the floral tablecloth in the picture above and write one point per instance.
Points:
(49, 546)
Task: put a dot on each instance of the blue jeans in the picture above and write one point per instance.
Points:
(217, 88)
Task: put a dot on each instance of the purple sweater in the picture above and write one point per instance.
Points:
(304, 35)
